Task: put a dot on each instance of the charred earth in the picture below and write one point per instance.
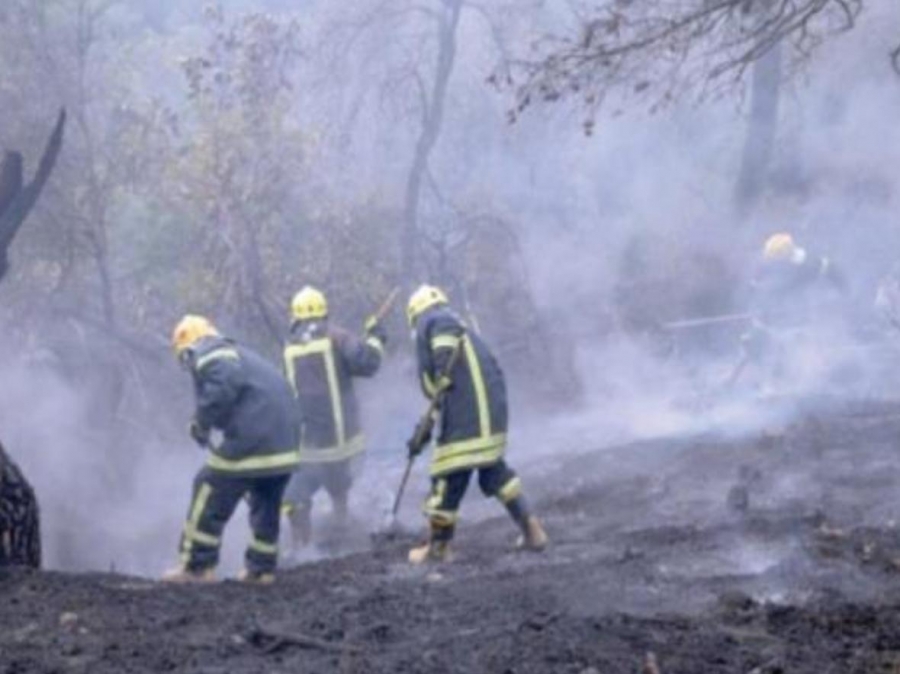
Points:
(650, 571)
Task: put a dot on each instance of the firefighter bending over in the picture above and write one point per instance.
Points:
(456, 366)
(321, 361)
(247, 399)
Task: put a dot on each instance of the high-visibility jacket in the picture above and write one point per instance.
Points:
(320, 364)
(244, 396)
(473, 409)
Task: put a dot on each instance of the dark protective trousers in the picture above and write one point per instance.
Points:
(215, 497)
(442, 506)
(336, 477)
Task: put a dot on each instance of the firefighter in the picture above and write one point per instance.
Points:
(791, 290)
(321, 361)
(247, 399)
(456, 366)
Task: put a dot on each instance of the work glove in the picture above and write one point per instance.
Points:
(200, 433)
(375, 329)
(444, 383)
(421, 436)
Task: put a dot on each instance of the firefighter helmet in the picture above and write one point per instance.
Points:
(309, 303)
(190, 330)
(423, 299)
(779, 247)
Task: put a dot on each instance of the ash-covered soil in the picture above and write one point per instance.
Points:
(775, 552)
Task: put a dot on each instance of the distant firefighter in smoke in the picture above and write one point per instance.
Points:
(792, 282)
(20, 531)
(457, 370)
(793, 293)
(247, 399)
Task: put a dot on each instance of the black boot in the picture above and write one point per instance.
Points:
(436, 548)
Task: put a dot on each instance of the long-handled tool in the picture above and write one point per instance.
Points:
(386, 306)
(737, 371)
(399, 497)
(705, 321)
(424, 429)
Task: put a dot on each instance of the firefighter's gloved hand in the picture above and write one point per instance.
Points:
(420, 437)
(375, 329)
(200, 433)
(444, 383)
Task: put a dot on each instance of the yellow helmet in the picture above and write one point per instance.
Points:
(309, 303)
(779, 247)
(423, 299)
(190, 330)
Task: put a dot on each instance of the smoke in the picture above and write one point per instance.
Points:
(619, 233)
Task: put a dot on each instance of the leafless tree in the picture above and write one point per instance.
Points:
(17, 198)
(416, 69)
(432, 111)
(238, 162)
(61, 41)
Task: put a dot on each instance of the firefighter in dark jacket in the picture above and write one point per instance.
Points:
(240, 394)
(456, 365)
(321, 361)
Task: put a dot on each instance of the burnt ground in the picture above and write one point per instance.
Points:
(657, 550)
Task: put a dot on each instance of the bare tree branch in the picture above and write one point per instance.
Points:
(19, 199)
(649, 49)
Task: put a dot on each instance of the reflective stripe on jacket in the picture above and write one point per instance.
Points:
(241, 394)
(321, 364)
(473, 411)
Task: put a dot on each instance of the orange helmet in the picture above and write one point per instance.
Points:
(779, 247)
(190, 330)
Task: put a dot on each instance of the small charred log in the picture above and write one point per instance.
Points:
(20, 530)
